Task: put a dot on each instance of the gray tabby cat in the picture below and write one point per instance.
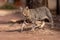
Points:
(38, 14)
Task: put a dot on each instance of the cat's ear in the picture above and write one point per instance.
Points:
(21, 8)
(27, 8)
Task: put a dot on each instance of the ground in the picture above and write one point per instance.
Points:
(47, 34)
(37, 35)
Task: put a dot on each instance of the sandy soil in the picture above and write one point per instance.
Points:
(38, 34)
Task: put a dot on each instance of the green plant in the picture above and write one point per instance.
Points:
(7, 6)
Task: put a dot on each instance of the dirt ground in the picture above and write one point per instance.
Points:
(47, 34)
(37, 35)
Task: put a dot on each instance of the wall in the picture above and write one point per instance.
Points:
(2, 2)
(52, 4)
